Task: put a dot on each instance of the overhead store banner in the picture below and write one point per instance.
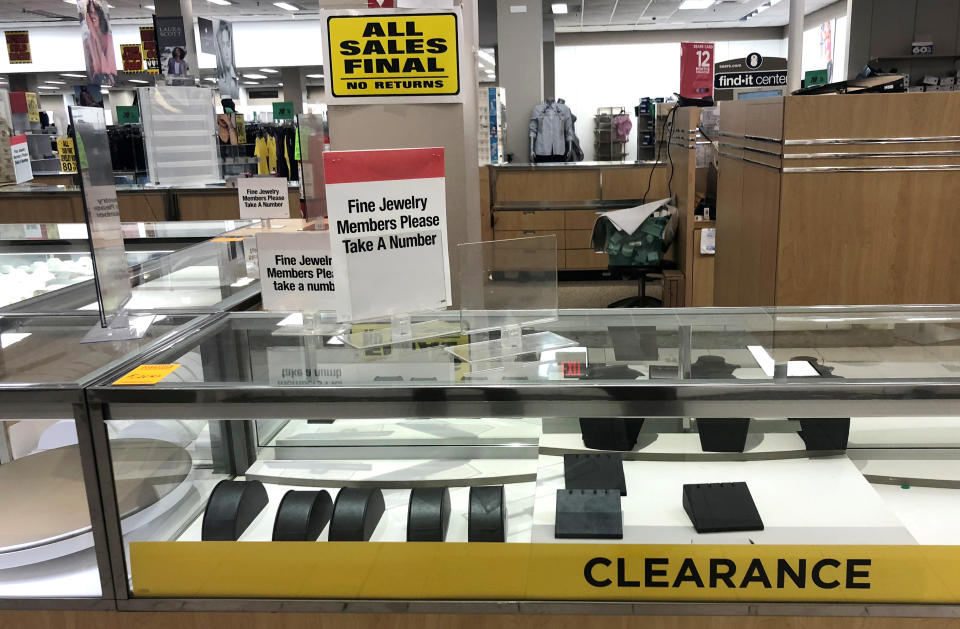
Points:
(751, 73)
(97, 42)
(18, 46)
(393, 54)
(172, 49)
(132, 57)
(388, 231)
(148, 40)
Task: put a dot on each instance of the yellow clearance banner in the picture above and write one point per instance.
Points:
(586, 572)
(394, 55)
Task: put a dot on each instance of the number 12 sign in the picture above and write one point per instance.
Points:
(696, 70)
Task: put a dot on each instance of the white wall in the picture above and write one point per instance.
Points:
(590, 76)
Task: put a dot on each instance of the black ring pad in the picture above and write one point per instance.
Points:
(356, 513)
(723, 434)
(232, 506)
(610, 433)
(487, 521)
(302, 516)
(428, 515)
(594, 471)
(721, 507)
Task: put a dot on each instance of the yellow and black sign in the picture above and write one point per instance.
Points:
(394, 55)
(67, 155)
(33, 107)
(586, 572)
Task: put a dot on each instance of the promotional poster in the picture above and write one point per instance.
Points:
(172, 49)
(97, 42)
(226, 68)
(87, 96)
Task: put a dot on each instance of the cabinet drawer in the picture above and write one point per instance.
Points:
(585, 259)
(527, 219)
(578, 238)
(504, 234)
(579, 219)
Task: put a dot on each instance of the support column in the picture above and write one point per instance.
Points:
(795, 45)
(549, 60)
(520, 68)
(184, 9)
(293, 87)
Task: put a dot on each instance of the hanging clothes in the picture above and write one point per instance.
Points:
(551, 127)
(260, 151)
(271, 154)
(622, 125)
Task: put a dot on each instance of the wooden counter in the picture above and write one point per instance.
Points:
(843, 199)
(50, 205)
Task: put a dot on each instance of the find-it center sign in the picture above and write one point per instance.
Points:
(395, 55)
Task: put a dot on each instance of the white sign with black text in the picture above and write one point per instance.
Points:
(22, 169)
(296, 272)
(263, 197)
(388, 231)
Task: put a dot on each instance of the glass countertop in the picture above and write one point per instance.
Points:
(140, 230)
(640, 347)
(48, 350)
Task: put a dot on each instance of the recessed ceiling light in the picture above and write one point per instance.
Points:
(139, 81)
(687, 5)
(559, 8)
(75, 76)
(314, 76)
(286, 6)
(254, 76)
(222, 3)
(52, 82)
(269, 70)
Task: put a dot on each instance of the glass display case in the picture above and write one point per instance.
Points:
(735, 459)
(53, 550)
(214, 275)
(36, 259)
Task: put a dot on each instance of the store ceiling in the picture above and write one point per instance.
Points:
(62, 10)
(607, 15)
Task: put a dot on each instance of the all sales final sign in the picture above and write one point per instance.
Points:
(394, 54)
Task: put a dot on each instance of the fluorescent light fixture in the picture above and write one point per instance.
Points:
(486, 56)
(687, 5)
(150, 6)
(559, 8)
(139, 81)
(314, 76)
(250, 83)
(211, 79)
(223, 3)
(52, 82)
(47, 87)
(269, 70)
(9, 338)
(286, 6)
(75, 76)
(254, 76)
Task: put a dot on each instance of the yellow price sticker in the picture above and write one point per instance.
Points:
(148, 374)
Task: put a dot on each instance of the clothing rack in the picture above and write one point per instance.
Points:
(608, 146)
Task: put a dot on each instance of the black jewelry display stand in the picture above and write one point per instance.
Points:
(302, 516)
(830, 433)
(723, 434)
(356, 514)
(487, 521)
(594, 471)
(588, 514)
(610, 433)
(710, 367)
(428, 515)
(232, 506)
(721, 507)
(820, 434)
